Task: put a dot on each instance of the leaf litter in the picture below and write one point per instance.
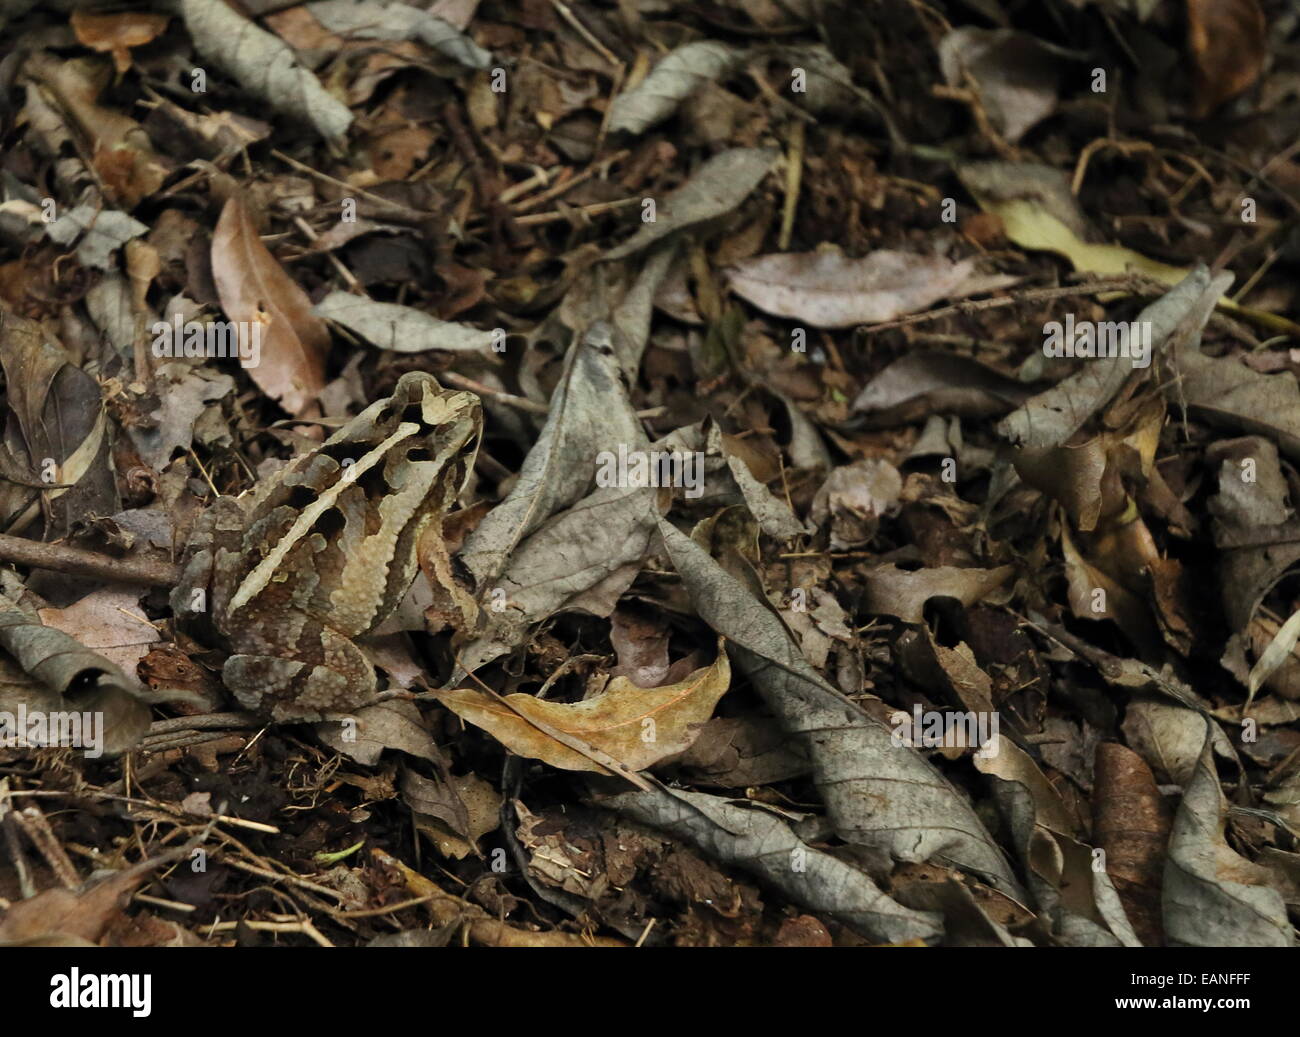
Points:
(799, 593)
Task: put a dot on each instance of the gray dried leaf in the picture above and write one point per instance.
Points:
(387, 725)
(62, 675)
(897, 592)
(1053, 416)
(881, 796)
(773, 514)
(1226, 393)
(105, 231)
(828, 290)
(1169, 737)
(678, 75)
(583, 558)
(376, 20)
(1018, 76)
(1212, 896)
(1052, 856)
(263, 65)
(925, 381)
(760, 842)
(402, 329)
(589, 412)
(717, 187)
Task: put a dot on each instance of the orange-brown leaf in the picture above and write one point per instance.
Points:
(638, 727)
(116, 34)
(1226, 41)
(254, 288)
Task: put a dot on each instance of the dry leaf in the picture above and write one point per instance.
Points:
(117, 33)
(1227, 42)
(828, 290)
(254, 289)
(639, 727)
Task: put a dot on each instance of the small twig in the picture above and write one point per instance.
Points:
(1130, 283)
(76, 561)
(344, 272)
(793, 178)
(585, 33)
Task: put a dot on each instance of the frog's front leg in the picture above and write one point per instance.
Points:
(294, 691)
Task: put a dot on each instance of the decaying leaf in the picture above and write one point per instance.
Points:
(1228, 46)
(1131, 825)
(637, 726)
(880, 795)
(50, 673)
(118, 33)
(673, 79)
(752, 838)
(255, 290)
(402, 329)
(717, 187)
(1017, 75)
(263, 65)
(1212, 896)
(828, 290)
(381, 20)
(897, 592)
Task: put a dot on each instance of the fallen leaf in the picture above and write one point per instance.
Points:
(263, 65)
(639, 727)
(717, 187)
(1212, 896)
(677, 75)
(1017, 75)
(402, 329)
(828, 290)
(117, 33)
(1228, 44)
(254, 289)
(752, 838)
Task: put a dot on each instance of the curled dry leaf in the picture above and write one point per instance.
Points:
(589, 413)
(925, 382)
(639, 727)
(1227, 42)
(1053, 416)
(1018, 76)
(263, 65)
(892, 591)
(854, 498)
(1131, 825)
(757, 840)
(828, 290)
(1079, 899)
(675, 78)
(255, 290)
(117, 33)
(54, 673)
(1212, 896)
(880, 796)
(717, 187)
(380, 20)
(102, 232)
